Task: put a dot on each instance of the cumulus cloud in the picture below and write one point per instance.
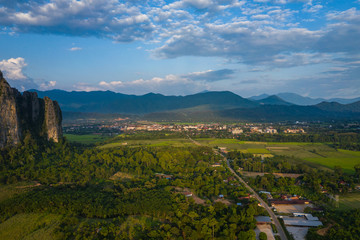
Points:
(13, 68)
(342, 36)
(47, 85)
(122, 22)
(313, 8)
(242, 40)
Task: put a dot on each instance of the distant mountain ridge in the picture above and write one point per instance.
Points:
(305, 101)
(273, 100)
(111, 102)
(205, 106)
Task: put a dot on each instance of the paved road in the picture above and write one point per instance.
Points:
(263, 203)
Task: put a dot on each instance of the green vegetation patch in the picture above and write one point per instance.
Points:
(30, 226)
(353, 153)
(224, 141)
(293, 143)
(258, 151)
(347, 164)
(121, 176)
(350, 200)
(177, 142)
(301, 150)
(8, 191)
(86, 139)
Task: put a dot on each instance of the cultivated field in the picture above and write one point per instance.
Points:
(350, 200)
(314, 154)
(29, 226)
(86, 139)
(9, 190)
(176, 142)
(317, 155)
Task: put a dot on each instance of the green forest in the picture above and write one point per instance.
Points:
(75, 183)
(72, 191)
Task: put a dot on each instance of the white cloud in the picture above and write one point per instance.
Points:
(101, 18)
(47, 85)
(75, 49)
(211, 75)
(313, 8)
(169, 85)
(242, 40)
(111, 84)
(13, 68)
(81, 86)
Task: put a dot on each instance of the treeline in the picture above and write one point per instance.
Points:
(276, 164)
(350, 141)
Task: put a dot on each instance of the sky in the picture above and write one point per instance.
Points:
(183, 47)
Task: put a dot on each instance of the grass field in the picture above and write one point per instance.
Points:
(258, 150)
(350, 200)
(86, 139)
(176, 142)
(314, 154)
(29, 226)
(9, 190)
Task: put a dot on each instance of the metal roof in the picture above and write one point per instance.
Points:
(263, 219)
(303, 223)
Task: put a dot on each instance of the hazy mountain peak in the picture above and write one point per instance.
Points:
(259, 97)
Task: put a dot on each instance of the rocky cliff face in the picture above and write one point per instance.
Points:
(10, 130)
(22, 114)
(52, 119)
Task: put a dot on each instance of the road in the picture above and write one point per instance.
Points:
(263, 203)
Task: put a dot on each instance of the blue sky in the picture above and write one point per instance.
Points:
(183, 47)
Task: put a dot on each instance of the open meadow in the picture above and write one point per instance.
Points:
(314, 154)
(176, 142)
(86, 138)
(349, 201)
(36, 226)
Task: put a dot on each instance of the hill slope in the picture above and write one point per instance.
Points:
(110, 102)
(264, 113)
(273, 100)
(337, 107)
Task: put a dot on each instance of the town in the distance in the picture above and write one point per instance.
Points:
(83, 175)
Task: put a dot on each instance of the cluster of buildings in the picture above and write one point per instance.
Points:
(294, 130)
(119, 125)
(173, 127)
(269, 130)
(291, 208)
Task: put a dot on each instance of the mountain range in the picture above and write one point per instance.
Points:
(203, 106)
(305, 101)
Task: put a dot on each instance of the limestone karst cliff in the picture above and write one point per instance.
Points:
(22, 114)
